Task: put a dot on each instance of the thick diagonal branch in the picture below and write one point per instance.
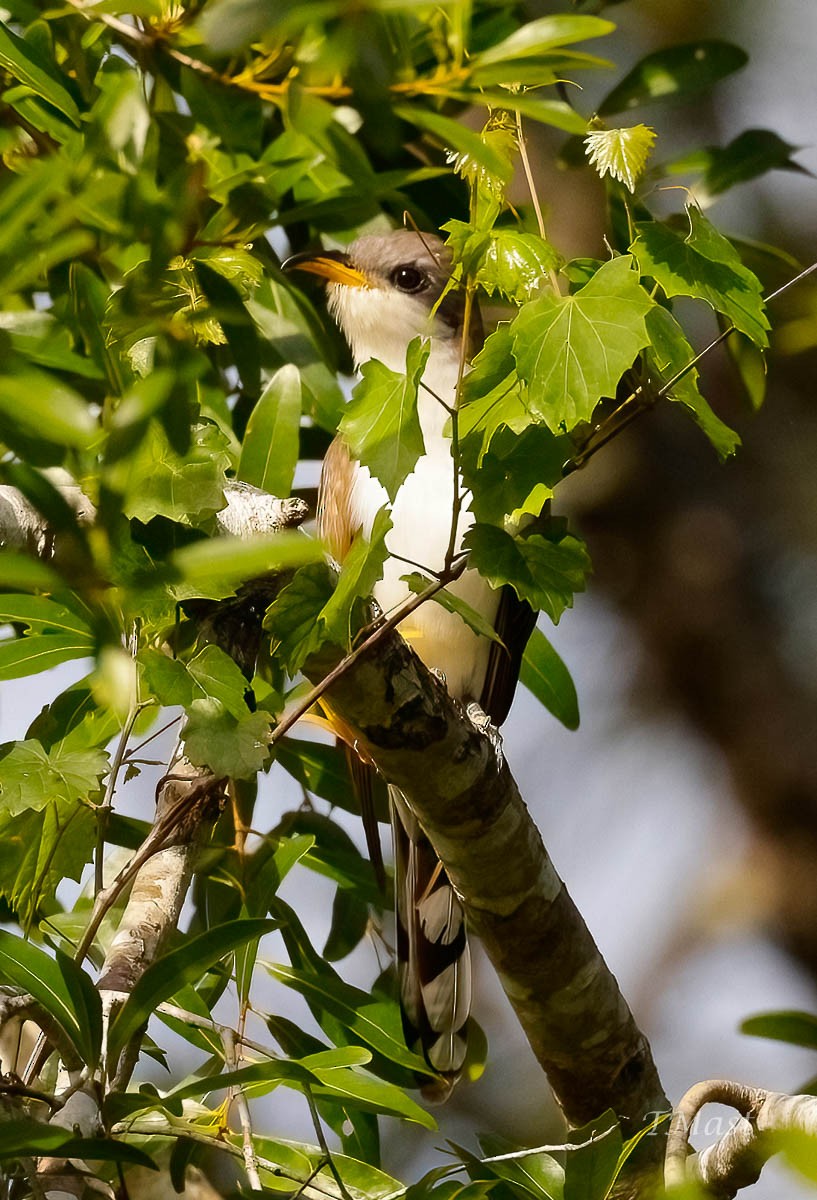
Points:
(565, 997)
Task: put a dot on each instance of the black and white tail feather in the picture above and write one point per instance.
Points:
(433, 958)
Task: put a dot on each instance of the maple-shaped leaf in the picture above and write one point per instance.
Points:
(292, 618)
(703, 264)
(228, 745)
(668, 353)
(572, 350)
(622, 153)
(381, 424)
(507, 261)
(544, 571)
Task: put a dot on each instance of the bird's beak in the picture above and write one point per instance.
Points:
(333, 265)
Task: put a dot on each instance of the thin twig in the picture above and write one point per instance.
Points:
(319, 1134)
(238, 1094)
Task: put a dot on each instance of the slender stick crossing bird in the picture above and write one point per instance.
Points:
(384, 292)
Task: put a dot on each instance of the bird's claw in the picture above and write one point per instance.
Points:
(481, 721)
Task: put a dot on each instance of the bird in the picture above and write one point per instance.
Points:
(383, 291)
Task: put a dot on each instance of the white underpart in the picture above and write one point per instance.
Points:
(380, 323)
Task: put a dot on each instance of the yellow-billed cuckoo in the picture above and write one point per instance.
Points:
(383, 292)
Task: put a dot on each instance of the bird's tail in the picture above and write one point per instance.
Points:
(434, 962)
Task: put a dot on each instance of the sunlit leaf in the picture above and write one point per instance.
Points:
(572, 350)
(622, 153)
(545, 675)
(381, 424)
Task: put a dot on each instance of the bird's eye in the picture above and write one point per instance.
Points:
(408, 279)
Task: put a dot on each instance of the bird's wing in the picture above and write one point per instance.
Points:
(515, 620)
(433, 959)
(337, 527)
(336, 524)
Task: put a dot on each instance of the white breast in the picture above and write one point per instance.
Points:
(421, 527)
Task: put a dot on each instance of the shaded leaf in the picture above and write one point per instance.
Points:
(542, 571)
(232, 747)
(22, 60)
(703, 264)
(797, 1028)
(451, 602)
(674, 74)
(669, 352)
(167, 975)
(361, 569)
(545, 675)
(269, 452)
(60, 987)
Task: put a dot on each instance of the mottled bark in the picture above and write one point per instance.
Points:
(565, 997)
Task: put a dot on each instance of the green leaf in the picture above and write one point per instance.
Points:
(797, 1028)
(292, 619)
(270, 1074)
(321, 769)
(25, 1137)
(675, 73)
(165, 977)
(22, 60)
(542, 571)
(39, 849)
(451, 602)
(362, 568)
(538, 1175)
(219, 678)
(507, 261)
(703, 264)
(477, 149)
(381, 424)
(546, 33)
(546, 676)
(572, 350)
(220, 564)
(669, 352)
(269, 452)
(38, 652)
(369, 1094)
(591, 1170)
(748, 156)
(41, 615)
(33, 776)
(158, 481)
(622, 153)
(18, 570)
(516, 476)
(60, 987)
(38, 406)
(232, 747)
(350, 924)
(372, 1020)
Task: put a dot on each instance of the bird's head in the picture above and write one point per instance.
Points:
(383, 290)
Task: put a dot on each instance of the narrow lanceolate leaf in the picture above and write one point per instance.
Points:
(217, 566)
(371, 1019)
(60, 987)
(174, 970)
(700, 262)
(362, 567)
(23, 62)
(674, 73)
(545, 573)
(572, 350)
(546, 676)
(369, 1094)
(622, 153)
(668, 353)
(546, 33)
(54, 634)
(269, 453)
(381, 424)
(451, 602)
(38, 406)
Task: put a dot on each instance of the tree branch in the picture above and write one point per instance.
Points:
(735, 1160)
(566, 999)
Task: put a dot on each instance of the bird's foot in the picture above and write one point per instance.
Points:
(438, 674)
(481, 721)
